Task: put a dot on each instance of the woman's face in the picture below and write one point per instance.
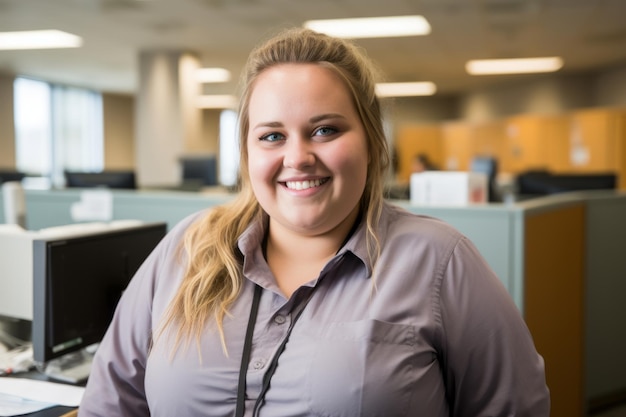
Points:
(307, 150)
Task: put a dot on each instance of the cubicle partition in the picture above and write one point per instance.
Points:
(54, 208)
(554, 261)
(561, 258)
(605, 298)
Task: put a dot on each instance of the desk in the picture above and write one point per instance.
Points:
(55, 411)
(50, 412)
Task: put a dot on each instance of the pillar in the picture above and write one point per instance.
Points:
(167, 118)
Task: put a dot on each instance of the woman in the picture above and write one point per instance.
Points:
(309, 295)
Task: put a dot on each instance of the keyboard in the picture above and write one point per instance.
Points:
(76, 373)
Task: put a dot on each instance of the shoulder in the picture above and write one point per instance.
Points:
(417, 230)
(167, 254)
(426, 243)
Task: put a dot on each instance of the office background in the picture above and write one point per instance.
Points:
(573, 120)
(144, 68)
(541, 100)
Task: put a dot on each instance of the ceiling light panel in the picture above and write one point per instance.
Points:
(422, 88)
(513, 66)
(39, 39)
(372, 27)
(212, 75)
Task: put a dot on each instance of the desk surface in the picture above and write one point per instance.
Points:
(55, 411)
(50, 412)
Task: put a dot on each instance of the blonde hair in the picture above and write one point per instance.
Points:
(213, 278)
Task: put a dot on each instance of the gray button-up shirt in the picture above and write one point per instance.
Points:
(429, 331)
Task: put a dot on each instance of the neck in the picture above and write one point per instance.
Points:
(296, 258)
(285, 242)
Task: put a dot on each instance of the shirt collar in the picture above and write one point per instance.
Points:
(250, 242)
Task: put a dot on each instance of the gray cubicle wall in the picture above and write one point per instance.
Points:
(48, 208)
(606, 298)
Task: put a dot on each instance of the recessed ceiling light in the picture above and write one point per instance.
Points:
(212, 75)
(39, 39)
(372, 27)
(422, 88)
(513, 66)
(217, 101)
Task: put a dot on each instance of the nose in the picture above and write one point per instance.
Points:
(298, 154)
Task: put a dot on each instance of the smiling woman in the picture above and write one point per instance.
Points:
(309, 294)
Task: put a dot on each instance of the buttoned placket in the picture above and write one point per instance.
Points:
(272, 334)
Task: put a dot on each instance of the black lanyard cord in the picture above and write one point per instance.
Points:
(241, 389)
(245, 359)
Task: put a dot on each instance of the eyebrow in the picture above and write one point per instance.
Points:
(268, 124)
(314, 119)
(327, 116)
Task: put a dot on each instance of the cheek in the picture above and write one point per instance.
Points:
(261, 166)
(354, 165)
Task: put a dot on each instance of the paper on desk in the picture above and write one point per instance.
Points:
(11, 405)
(42, 391)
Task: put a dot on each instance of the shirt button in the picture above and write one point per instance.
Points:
(258, 364)
(280, 319)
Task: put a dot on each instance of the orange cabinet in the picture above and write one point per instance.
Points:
(416, 139)
(595, 138)
(535, 143)
(584, 141)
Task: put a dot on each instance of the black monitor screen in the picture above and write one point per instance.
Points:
(77, 282)
(200, 169)
(104, 179)
(544, 183)
(10, 175)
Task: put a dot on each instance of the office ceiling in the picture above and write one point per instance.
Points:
(589, 34)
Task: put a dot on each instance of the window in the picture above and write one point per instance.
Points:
(57, 128)
(229, 149)
(33, 132)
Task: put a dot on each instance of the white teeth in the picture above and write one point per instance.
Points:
(303, 185)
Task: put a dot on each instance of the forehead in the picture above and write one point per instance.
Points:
(293, 86)
(298, 71)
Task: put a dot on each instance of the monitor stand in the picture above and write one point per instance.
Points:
(73, 367)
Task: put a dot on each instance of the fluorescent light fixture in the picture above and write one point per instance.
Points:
(212, 75)
(422, 88)
(513, 66)
(39, 39)
(217, 101)
(372, 27)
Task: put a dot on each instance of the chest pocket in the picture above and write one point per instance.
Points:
(366, 368)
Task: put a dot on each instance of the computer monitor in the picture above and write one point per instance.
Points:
(7, 175)
(16, 272)
(487, 165)
(200, 169)
(77, 282)
(105, 179)
(536, 183)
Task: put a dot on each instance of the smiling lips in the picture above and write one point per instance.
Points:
(303, 185)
